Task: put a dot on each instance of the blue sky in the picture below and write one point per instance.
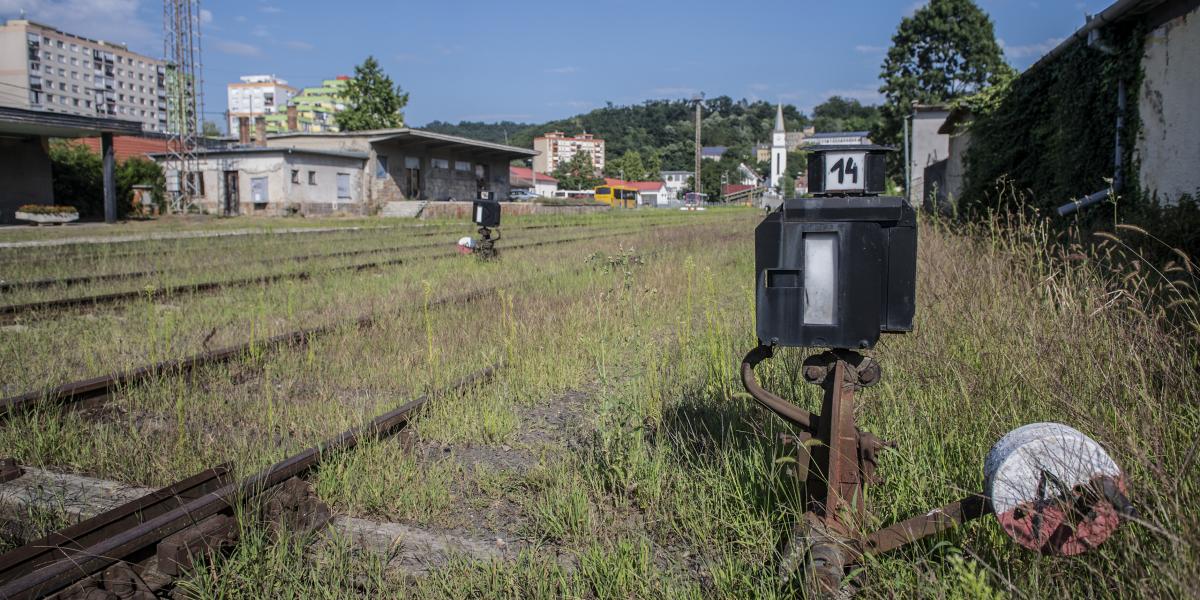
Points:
(537, 60)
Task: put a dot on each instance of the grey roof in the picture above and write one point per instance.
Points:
(270, 150)
(402, 133)
(1117, 11)
(20, 121)
(711, 150)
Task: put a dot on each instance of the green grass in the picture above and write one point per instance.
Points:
(671, 482)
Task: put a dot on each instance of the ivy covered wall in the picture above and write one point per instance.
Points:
(1051, 130)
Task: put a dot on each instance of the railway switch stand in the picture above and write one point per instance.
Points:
(836, 271)
(486, 214)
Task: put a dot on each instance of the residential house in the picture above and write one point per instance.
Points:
(524, 178)
(713, 152)
(257, 96)
(675, 182)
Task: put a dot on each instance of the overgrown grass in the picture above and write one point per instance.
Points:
(675, 484)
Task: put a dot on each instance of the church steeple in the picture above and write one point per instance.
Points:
(778, 150)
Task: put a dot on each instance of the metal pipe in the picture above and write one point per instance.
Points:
(1081, 203)
(1106, 16)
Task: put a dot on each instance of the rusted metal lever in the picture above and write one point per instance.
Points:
(869, 444)
(931, 523)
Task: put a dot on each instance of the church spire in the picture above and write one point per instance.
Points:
(779, 120)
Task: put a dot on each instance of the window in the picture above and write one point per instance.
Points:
(440, 163)
(196, 183)
(312, 178)
(258, 190)
(74, 61)
(381, 167)
(343, 186)
(295, 175)
(460, 165)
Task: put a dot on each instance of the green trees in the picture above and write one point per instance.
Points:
(845, 114)
(78, 178)
(945, 50)
(631, 167)
(372, 100)
(578, 173)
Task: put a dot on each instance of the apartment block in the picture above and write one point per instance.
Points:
(554, 148)
(316, 108)
(43, 68)
(257, 96)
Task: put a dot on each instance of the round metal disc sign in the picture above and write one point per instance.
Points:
(1049, 486)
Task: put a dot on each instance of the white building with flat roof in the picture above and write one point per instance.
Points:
(43, 68)
(257, 96)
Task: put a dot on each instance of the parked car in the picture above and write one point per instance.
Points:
(521, 195)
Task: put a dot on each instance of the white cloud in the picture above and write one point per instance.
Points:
(562, 70)
(111, 20)
(1033, 50)
(206, 16)
(240, 19)
(299, 45)
(270, 9)
(868, 49)
(759, 87)
(237, 48)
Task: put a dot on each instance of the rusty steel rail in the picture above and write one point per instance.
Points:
(84, 279)
(10, 310)
(104, 385)
(70, 541)
(115, 548)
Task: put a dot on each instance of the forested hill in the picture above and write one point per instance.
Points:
(665, 127)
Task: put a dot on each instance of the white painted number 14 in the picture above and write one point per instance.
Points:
(843, 167)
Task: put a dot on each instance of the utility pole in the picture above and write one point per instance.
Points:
(699, 100)
(185, 104)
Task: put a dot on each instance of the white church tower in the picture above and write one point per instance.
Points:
(778, 151)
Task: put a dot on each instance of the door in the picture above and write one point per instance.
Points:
(230, 206)
(412, 178)
(343, 187)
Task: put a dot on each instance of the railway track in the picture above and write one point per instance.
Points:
(101, 387)
(10, 310)
(144, 543)
(6, 286)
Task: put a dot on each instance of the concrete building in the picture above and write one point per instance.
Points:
(354, 172)
(1168, 144)
(778, 150)
(25, 176)
(278, 181)
(927, 146)
(257, 96)
(316, 108)
(524, 178)
(554, 148)
(43, 68)
(675, 182)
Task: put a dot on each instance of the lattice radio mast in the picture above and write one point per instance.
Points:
(185, 98)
